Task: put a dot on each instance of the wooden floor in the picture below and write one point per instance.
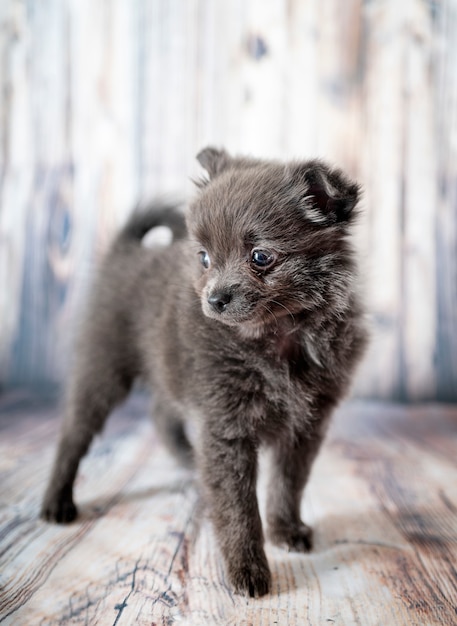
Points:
(382, 500)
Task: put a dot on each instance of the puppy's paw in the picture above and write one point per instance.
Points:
(252, 577)
(293, 537)
(59, 509)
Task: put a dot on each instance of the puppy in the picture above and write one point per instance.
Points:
(249, 323)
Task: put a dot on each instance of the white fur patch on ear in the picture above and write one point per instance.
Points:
(159, 237)
(315, 216)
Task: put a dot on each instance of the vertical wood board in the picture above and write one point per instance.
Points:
(104, 104)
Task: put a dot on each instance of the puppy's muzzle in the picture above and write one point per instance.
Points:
(219, 300)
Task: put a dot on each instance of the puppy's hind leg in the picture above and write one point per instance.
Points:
(100, 382)
(170, 427)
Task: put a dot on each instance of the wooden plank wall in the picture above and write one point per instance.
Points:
(104, 103)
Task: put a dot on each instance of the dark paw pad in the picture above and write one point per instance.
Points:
(252, 578)
(296, 538)
(59, 510)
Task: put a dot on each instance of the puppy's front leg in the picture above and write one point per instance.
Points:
(289, 474)
(229, 472)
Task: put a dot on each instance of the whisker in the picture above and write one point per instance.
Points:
(284, 307)
(270, 312)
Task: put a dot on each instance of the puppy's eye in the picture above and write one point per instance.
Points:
(262, 259)
(204, 259)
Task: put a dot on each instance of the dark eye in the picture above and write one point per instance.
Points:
(262, 258)
(204, 259)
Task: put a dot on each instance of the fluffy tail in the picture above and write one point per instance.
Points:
(157, 214)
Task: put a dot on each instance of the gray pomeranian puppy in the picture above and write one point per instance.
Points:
(249, 323)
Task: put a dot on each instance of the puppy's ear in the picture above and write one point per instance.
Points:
(214, 161)
(331, 196)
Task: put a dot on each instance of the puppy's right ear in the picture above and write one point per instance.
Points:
(331, 196)
(214, 161)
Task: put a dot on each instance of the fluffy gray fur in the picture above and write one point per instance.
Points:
(250, 322)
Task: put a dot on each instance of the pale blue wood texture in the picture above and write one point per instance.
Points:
(104, 103)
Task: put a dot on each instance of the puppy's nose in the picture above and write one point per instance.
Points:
(219, 300)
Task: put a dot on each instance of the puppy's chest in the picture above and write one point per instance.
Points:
(280, 383)
(287, 351)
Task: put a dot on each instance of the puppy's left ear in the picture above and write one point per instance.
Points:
(213, 160)
(331, 196)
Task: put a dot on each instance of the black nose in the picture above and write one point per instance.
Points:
(220, 300)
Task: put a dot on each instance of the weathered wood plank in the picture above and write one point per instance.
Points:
(382, 500)
(382, 176)
(446, 243)
(16, 173)
(420, 202)
(105, 103)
